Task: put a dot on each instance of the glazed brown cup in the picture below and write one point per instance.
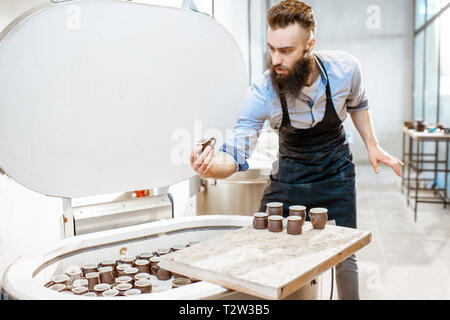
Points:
(100, 288)
(132, 292)
(161, 252)
(93, 279)
(106, 275)
(177, 247)
(298, 211)
(275, 224)
(79, 290)
(89, 267)
(110, 293)
(145, 255)
(143, 266)
(207, 142)
(179, 282)
(274, 209)
(294, 225)
(260, 221)
(61, 279)
(120, 269)
(122, 287)
(142, 276)
(124, 279)
(153, 262)
(131, 272)
(58, 287)
(128, 260)
(144, 285)
(74, 273)
(318, 217)
(161, 274)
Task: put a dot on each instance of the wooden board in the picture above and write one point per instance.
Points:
(264, 264)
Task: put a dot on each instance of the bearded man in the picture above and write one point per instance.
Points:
(306, 96)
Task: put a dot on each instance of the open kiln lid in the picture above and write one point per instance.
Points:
(106, 96)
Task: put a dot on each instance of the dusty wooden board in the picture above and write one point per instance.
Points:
(264, 264)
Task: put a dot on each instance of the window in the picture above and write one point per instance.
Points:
(432, 62)
(444, 81)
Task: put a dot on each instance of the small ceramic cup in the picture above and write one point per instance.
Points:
(110, 293)
(106, 275)
(142, 276)
(89, 267)
(274, 209)
(122, 287)
(294, 225)
(58, 287)
(298, 211)
(100, 288)
(132, 292)
(143, 265)
(83, 282)
(163, 251)
(121, 269)
(207, 142)
(145, 255)
(145, 285)
(153, 262)
(275, 223)
(318, 217)
(179, 282)
(93, 279)
(128, 260)
(260, 221)
(124, 279)
(80, 290)
(61, 279)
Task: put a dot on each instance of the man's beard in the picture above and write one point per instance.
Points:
(293, 82)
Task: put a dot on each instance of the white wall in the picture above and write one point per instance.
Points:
(385, 50)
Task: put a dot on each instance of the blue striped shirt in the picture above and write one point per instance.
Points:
(306, 110)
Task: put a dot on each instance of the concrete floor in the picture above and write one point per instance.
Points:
(405, 260)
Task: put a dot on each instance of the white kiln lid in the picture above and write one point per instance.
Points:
(98, 96)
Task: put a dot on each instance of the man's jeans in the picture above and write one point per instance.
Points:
(347, 279)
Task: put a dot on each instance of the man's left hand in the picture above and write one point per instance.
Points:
(378, 155)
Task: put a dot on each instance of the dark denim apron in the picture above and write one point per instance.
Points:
(315, 167)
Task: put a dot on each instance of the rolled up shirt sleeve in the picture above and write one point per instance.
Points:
(254, 112)
(357, 100)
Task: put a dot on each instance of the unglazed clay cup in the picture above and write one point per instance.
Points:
(318, 217)
(275, 224)
(294, 225)
(260, 221)
(274, 209)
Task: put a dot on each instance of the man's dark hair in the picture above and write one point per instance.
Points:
(291, 11)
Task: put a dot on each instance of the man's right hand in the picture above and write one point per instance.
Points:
(202, 162)
(208, 165)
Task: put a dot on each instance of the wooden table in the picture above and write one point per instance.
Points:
(265, 264)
